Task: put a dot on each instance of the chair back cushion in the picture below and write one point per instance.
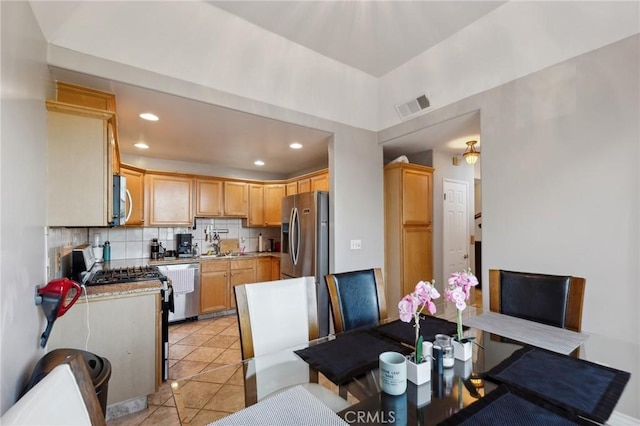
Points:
(279, 313)
(358, 298)
(536, 297)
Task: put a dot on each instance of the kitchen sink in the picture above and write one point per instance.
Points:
(213, 256)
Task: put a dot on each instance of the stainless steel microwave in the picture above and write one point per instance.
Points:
(120, 196)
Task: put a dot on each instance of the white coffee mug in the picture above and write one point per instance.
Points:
(393, 373)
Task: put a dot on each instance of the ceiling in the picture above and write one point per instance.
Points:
(373, 36)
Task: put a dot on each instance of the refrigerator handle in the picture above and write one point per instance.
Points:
(292, 247)
(295, 235)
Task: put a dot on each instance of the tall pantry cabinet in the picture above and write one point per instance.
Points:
(408, 213)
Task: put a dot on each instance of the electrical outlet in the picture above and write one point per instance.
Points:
(356, 244)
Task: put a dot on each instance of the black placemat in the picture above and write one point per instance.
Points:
(349, 354)
(579, 386)
(512, 407)
(429, 327)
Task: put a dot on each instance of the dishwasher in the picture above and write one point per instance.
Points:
(185, 281)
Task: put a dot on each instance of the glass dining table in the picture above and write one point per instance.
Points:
(500, 365)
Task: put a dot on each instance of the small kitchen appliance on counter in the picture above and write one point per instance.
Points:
(183, 245)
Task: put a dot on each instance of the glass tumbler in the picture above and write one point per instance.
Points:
(444, 342)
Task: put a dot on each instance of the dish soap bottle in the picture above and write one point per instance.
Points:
(196, 250)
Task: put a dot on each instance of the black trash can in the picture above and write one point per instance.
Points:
(99, 369)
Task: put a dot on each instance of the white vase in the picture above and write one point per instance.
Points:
(418, 373)
(419, 395)
(461, 351)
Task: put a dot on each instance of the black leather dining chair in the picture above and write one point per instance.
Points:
(357, 298)
(549, 299)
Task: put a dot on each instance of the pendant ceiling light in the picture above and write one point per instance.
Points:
(471, 155)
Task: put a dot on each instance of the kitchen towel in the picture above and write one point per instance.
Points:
(582, 387)
(533, 333)
(182, 280)
(350, 354)
(294, 406)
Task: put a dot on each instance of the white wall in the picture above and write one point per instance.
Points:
(560, 178)
(514, 40)
(217, 50)
(357, 207)
(24, 83)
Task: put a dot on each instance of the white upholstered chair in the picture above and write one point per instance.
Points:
(65, 396)
(274, 316)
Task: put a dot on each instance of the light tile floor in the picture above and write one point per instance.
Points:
(199, 346)
(195, 347)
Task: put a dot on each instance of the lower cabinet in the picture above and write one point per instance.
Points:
(263, 269)
(275, 268)
(214, 286)
(242, 272)
(218, 277)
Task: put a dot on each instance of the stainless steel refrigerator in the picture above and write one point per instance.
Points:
(305, 245)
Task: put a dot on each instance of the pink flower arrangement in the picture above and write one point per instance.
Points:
(459, 291)
(412, 305)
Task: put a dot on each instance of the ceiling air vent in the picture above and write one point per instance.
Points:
(412, 107)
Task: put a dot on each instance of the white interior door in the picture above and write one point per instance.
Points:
(456, 226)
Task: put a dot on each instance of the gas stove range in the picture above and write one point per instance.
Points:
(125, 275)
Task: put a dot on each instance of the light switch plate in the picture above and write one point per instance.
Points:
(356, 244)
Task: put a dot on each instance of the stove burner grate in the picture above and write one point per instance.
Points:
(125, 275)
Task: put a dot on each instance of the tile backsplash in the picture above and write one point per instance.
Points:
(135, 243)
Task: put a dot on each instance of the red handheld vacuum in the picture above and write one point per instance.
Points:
(52, 297)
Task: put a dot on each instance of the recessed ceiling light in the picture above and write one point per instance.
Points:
(295, 145)
(149, 116)
(141, 145)
(259, 163)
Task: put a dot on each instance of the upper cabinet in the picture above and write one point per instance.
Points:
(273, 194)
(168, 200)
(79, 166)
(236, 199)
(135, 198)
(315, 182)
(256, 205)
(292, 188)
(265, 204)
(209, 198)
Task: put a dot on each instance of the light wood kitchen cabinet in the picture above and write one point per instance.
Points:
(263, 269)
(169, 200)
(265, 204)
(242, 271)
(209, 198)
(79, 166)
(135, 187)
(292, 188)
(304, 185)
(256, 205)
(275, 268)
(218, 278)
(408, 205)
(236, 199)
(273, 194)
(214, 286)
(316, 182)
(320, 182)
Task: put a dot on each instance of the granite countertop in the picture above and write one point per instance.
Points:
(120, 289)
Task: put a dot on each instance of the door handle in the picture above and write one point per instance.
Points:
(466, 256)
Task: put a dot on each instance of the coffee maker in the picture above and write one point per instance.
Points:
(183, 245)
